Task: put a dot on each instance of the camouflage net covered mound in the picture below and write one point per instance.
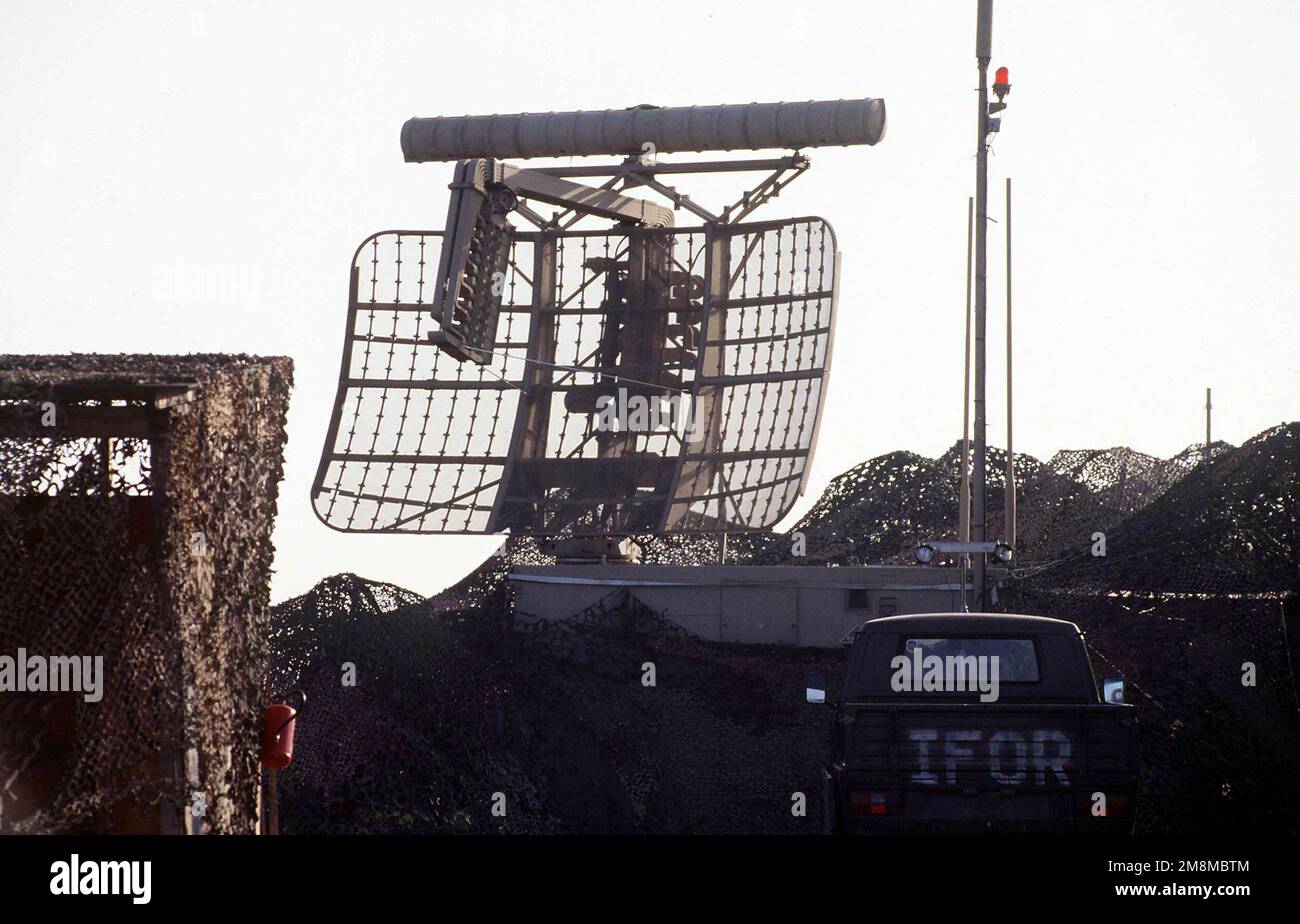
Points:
(451, 708)
(878, 511)
(1194, 603)
(137, 496)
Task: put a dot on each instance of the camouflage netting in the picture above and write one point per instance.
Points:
(137, 496)
(879, 510)
(451, 708)
(1190, 600)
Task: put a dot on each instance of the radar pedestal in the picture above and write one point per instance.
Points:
(593, 550)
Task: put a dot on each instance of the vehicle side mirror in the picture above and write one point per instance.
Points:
(814, 688)
(1112, 690)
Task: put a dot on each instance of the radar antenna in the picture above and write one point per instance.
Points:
(568, 380)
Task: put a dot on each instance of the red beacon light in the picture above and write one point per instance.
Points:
(1002, 82)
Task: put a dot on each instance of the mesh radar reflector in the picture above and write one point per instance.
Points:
(571, 380)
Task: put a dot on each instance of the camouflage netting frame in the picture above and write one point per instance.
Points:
(138, 528)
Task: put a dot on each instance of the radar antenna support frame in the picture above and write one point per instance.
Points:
(635, 171)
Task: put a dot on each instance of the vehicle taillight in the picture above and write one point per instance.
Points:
(875, 802)
(1117, 804)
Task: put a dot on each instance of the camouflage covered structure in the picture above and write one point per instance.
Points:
(137, 497)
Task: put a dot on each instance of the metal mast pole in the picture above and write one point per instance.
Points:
(963, 512)
(1009, 504)
(983, 52)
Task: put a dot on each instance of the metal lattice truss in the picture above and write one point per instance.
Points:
(642, 380)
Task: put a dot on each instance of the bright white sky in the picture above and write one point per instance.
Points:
(186, 177)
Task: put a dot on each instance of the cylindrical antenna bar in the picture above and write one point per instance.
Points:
(746, 127)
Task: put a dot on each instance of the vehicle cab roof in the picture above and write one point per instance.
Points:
(971, 623)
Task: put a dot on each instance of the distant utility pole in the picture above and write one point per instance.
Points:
(1207, 424)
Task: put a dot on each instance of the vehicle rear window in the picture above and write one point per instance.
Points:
(1017, 660)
